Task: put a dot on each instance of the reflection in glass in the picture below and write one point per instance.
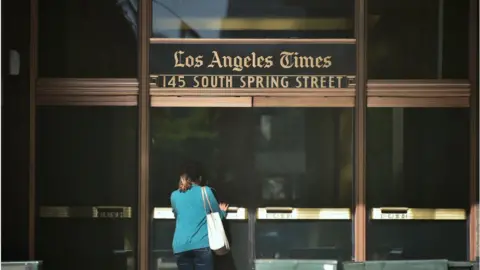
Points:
(303, 157)
(417, 158)
(294, 157)
(320, 240)
(417, 240)
(217, 140)
(88, 38)
(408, 33)
(86, 156)
(255, 157)
(252, 19)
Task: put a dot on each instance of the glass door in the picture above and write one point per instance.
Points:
(214, 135)
(86, 187)
(417, 183)
(303, 179)
(284, 165)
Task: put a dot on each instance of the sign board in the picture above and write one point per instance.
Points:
(297, 64)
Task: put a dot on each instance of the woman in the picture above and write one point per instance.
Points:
(190, 241)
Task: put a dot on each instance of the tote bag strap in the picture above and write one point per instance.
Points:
(206, 200)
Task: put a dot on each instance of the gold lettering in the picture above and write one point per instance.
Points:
(178, 59)
(323, 82)
(196, 83)
(268, 62)
(339, 81)
(248, 62)
(220, 81)
(189, 62)
(198, 61)
(318, 82)
(175, 81)
(327, 62)
(295, 60)
(215, 60)
(299, 82)
(251, 80)
(259, 80)
(331, 82)
(255, 81)
(314, 82)
(243, 83)
(239, 63)
(254, 59)
(319, 61)
(285, 59)
(228, 81)
(306, 61)
(205, 82)
(284, 82)
(264, 82)
(171, 82)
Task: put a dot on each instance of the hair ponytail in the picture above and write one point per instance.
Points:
(185, 183)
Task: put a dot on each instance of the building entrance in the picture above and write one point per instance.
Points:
(284, 166)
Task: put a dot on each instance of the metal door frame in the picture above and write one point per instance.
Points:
(159, 99)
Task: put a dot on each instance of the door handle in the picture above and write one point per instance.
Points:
(286, 210)
(163, 213)
(233, 213)
(236, 213)
(405, 213)
(291, 213)
(108, 212)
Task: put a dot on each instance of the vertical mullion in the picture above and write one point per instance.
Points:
(252, 221)
(473, 73)
(440, 33)
(360, 112)
(32, 84)
(143, 133)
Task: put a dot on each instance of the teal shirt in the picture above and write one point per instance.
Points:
(191, 224)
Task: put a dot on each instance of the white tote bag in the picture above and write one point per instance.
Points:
(216, 234)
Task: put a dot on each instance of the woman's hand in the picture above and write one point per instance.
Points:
(223, 207)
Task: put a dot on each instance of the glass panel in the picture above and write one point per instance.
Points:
(86, 156)
(303, 157)
(88, 38)
(407, 33)
(415, 239)
(260, 157)
(418, 158)
(279, 152)
(320, 240)
(253, 19)
(218, 142)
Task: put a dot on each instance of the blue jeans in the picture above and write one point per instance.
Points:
(197, 259)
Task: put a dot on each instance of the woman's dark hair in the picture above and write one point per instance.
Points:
(189, 175)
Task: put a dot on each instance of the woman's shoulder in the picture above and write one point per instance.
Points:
(177, 192)
(174, 193)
